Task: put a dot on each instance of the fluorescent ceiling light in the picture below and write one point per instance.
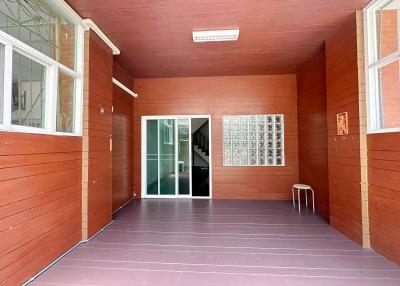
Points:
(215, 36)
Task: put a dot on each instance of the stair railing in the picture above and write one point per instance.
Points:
(200, 140)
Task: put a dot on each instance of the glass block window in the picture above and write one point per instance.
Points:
(253, 140)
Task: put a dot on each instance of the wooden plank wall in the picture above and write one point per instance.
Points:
(122, 157)
(344, 151)
(312, 124)
(122, 75)
(40, 202)
(384, 154)
(99, 134)
(384, 193)
(219, 96)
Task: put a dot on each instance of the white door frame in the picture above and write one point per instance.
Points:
(144, 155)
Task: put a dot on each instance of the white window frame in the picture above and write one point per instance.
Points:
(52, 69)
(144, 120)
(373, 64)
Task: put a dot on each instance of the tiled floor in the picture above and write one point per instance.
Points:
(222, 243)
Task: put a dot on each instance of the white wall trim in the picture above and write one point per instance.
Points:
(52, 263)
(67, 10)
(87, 23)
(374, 4)
(92, 25)
(122, 86)
(130, 200)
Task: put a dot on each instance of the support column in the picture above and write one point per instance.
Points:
(363, 129)
(85, 141)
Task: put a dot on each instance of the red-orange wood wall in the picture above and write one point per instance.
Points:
(122, 155)
(384, 193)
(218, 96)
(40, 202)
(312, 124)
(344, 151)
(100, 133)
(384, 152)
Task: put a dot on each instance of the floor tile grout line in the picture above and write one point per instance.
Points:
(223, 233)
(233, 265)
(235, 238)
(235, 247)
(233, 273)
(220, 215)
(64, 284)
(232, 226)
(224, 223)
(231, 252)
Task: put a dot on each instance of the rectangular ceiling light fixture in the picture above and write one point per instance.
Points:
(215, 36)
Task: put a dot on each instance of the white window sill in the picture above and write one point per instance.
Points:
(384, 130)
(33, 130)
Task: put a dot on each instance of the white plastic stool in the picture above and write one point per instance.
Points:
(306, 188)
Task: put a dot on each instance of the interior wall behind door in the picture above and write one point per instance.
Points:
(226, 95)
(122, 155)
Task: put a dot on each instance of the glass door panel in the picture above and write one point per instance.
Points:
(173, 167)
(167, 160)
(152, 157)
(200, 157)
(183, 157)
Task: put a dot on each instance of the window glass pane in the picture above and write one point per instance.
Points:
(1, 82)
(28, 92)
(38, 24)
(387, 28)
(65, 103)
(167, 156)
(152, 157)
(389, 89)
(183, 157)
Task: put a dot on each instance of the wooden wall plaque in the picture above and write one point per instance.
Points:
(342, 122)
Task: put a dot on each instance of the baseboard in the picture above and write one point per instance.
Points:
(63, 255)
(132, 199)
(97, 233)
(52, 263)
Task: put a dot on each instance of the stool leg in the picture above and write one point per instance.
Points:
(313, 201)
(294, 204)
(306, 194)
(298, 198)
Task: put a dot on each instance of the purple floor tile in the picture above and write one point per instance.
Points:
(202, 242)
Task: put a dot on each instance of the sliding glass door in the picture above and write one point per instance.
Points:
(167, 162)
(184, 162)
(168, 157)
(152, 157)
